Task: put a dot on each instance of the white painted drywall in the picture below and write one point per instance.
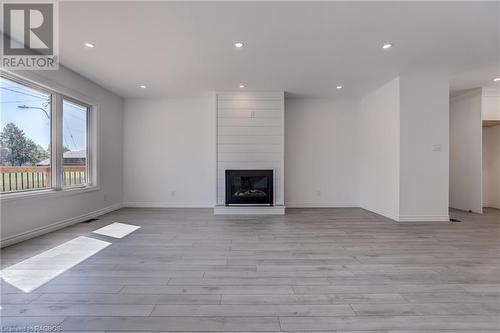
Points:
(25, 217)
(379, 150)
(491, 167)
(424, 147)
(321, 153)
(169, 152)
(250, 135)
(491, 102)
(184, 130)
(465, 151)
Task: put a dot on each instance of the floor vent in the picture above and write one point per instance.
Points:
(455, 220)
(91, 220)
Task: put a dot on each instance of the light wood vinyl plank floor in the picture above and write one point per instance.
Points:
(342, 270)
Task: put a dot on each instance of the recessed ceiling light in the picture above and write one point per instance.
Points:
(239, 45)
(242, 86)
(387, 46)
(497, 79)
(142, 86)
(339, 87)
(89, 45)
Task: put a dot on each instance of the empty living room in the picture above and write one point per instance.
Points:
(250, 166)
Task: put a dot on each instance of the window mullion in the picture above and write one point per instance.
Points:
(57, 151)
(89, 158)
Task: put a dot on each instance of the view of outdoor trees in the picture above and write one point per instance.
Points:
(16, 149)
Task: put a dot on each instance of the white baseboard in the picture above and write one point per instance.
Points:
(249, 210)
(58, 225)
(151, 204)
(424, 218)
(381, 212)
(321, 205)
(410, 218)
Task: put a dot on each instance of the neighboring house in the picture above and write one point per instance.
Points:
(75, 158)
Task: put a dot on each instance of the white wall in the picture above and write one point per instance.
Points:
(465, 151)
(491, 103)
(404, 169)
(25, 217)
(169, 152)
(321, 153)
(491, 166)
(424, 147)
(379, 150)
(321, 143)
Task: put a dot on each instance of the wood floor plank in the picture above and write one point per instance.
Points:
(390, 323)
(57, 309)
(254, 281)
(166, 324)
(138, 299)
(344, 298)
(201, 290)
(252, 310)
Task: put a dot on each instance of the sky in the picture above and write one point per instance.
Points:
(33, 120)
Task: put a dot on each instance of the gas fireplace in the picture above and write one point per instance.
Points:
(249, 187)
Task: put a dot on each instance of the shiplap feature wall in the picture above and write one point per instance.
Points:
(250, 135)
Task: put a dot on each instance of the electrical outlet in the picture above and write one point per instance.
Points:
(172, 193)
(437, 147)
(318, 193)
(105, 197)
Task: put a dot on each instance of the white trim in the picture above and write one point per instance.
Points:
(424, 218)
(152, 204)
(59, 93)
(382, 213)
(410, 218)
(249, 210)
(321, 204)
(52, 86)
(216, 160)
(58, 225)
(282, 166)
(45, 194)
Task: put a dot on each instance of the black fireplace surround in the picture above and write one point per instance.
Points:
(249, 187)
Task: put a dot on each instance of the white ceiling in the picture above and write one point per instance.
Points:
(303, 48)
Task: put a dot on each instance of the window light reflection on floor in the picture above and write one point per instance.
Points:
(117, 230)
(38, 270)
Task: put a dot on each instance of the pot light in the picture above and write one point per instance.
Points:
(387, 46)
(142, 86)
(238, 45)
(89, 45)
(242, 86)
(497, 79)
(339, 87)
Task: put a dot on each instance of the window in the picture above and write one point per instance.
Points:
(25, 137)
(74, 144)
(44, 138)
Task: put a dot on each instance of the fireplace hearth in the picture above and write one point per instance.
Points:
(249, 187)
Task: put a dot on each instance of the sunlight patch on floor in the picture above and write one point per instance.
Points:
(117, 230)
(40, 269)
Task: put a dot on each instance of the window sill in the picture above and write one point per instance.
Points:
(46, 194)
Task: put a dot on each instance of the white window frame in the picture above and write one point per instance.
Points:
(88, 158)
(58, 94)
